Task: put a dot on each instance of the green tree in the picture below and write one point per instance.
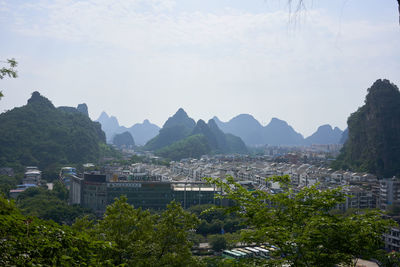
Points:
(49, 205)
(171, 237)
(128, 229)
(29, 241)
(142, 239)
(60, 191)
(8, 70)
(301, 225)
(213, 219)
(217, 242)
(6, 184)
(232, 239)
(391, 259)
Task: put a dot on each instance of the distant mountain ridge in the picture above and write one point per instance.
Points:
(325, 135)
(141, 132)
(109, 125)
(182, 137)
(245, 126)
(279, 132)
(276, 132)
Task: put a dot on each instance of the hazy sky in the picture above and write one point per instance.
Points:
(143, 59)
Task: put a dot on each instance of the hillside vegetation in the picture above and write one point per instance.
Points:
(373, 143)
(123, 139)
(181, 137)
(175, 129)
(41, 135)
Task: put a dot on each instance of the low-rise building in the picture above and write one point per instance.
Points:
(14, 193)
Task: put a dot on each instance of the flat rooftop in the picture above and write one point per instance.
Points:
(202, 189)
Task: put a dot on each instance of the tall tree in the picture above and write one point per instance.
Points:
(172, 246)
(142, 239)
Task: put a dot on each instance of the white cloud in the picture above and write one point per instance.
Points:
(142, 26)
(231, 61)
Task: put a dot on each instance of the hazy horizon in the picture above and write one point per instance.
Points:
(139, 59)
(206, 119)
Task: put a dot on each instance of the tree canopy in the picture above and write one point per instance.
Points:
(124, 237)
(50, 204)
(301, 225)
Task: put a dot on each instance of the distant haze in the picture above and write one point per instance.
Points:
(144, 59)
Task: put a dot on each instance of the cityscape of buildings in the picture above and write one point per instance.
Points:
(151, 186)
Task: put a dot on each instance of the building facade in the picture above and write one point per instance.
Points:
(32, 176)
(389, 193)
(95, 192)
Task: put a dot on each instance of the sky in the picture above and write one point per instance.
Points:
(144, 59)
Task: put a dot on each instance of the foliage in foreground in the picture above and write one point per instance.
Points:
(26, 240)
(125, 236)
(302, 227)
(142, 239)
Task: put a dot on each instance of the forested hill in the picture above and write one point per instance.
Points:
(41, 135)
(176, 128)
(373, 143)
(123, 139)
(181, 137)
